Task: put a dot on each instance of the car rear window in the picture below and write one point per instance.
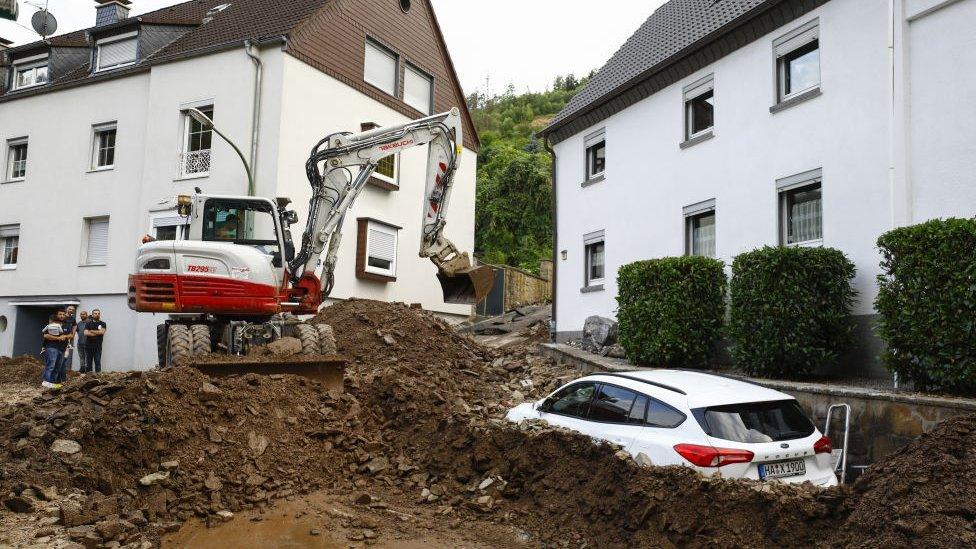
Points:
(756, 422)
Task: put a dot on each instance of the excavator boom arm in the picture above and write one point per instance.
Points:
(338, 169)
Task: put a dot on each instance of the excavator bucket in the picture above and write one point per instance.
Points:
(328, 370)
(466, 286)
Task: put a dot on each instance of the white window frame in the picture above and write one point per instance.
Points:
(7, 233)
(30, 64)
(370, 43)
(86, 260)
(97, 131)
(133, 36)
(589, 143)
(692, 214)
(9, 165)
(789, 186)
(185, 145)
(691, 93)
(167, 218)
(384, 228)
(420, 74)
(589, 241)
(790, 42)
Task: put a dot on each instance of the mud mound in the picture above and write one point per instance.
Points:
(23, 370)
(923, 495)
(160, 447)
(565, 487)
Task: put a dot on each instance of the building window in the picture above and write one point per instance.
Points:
(381, 67)
(168, 225)
(197, 142)
(117, 51)
(594, 259)
(96, 241)
(103, 147)
(798, 61)
(376, 254)
(418, 89)
(596, 155)
(801, 208)
(700, 229)
(17, 159)
(30, 74)
(9, 246)
(699, 100)
(386, 169)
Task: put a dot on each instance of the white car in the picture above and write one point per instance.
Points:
(708, 422)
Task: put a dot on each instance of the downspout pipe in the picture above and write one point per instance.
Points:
(255, 111)
(555, 239)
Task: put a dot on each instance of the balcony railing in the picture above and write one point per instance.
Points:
(195, 163)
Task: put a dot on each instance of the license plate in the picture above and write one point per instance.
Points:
(782, 469)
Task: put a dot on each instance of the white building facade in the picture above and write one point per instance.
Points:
(106, 155)
(796, 123)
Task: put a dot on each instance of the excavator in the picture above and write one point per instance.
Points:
(234, 282)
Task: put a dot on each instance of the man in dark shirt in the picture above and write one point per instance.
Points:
(95, 330)
(70, 327)
(54, 345)
(82, 339)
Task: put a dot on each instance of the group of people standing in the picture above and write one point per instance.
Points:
(63, 336)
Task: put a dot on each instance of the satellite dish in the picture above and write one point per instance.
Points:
(44, 23)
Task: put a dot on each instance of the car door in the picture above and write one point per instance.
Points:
(616, 415)
(568, 406)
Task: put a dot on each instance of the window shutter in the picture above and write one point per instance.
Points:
(381, 68)
(382, 245)
(417, 88)
(170, 221)
(797, 38)
(7, 231)
(116, 53)
(97, 241)
(699, 87)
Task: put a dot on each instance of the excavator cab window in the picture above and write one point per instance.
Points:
(241, 222)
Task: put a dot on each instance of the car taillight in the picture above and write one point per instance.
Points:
(823, 446)
(709, 456)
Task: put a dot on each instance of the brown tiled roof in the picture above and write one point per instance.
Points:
(71, 40)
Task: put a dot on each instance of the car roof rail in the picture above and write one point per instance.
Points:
(639, 380)
(716, 374)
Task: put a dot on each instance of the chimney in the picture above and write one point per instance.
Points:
(111, 11)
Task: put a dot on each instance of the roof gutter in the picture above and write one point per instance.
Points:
(553, 331)
(662, 66)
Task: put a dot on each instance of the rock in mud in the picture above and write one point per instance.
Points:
(64, 446)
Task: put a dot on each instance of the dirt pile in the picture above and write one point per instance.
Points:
(24, 370)
(923, 495)
(149, 449)
(133, 455)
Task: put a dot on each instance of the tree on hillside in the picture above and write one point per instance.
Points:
(513, 215)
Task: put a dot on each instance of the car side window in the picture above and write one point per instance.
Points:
(660, 414)
(612, 404)
(571, 401)
(637, 411)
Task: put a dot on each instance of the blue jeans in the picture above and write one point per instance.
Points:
(53, 364)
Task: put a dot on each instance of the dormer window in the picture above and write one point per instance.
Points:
(116, 51)
(30, 72)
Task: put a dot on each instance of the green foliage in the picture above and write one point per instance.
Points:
(513, 220)
(927, 303)
(671, 310)
(790, 309)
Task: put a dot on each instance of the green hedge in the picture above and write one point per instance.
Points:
(671, 310)
(790, 309)
(927, 303)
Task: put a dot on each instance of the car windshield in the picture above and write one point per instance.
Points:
(756, 422)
